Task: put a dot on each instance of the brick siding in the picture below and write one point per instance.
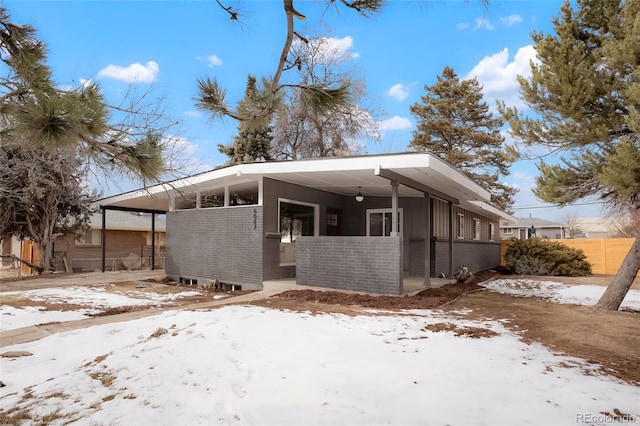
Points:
(367, 264)
(218, 243)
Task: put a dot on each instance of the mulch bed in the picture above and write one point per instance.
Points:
(425, 299)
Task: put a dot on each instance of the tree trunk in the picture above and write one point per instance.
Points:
(617, 290)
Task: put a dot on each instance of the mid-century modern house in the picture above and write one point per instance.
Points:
(359, 223)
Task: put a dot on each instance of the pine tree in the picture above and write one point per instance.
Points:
(456, 125)
(253, 142)
(585, 92)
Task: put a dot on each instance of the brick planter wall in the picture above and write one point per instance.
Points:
(366, 264)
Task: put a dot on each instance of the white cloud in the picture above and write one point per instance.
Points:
(394, 123)
(213, 60)
(511, 20)
(399, 92)
(483, 22)
(134, 73)
(193, 113)
(498, 76)
(462, 26)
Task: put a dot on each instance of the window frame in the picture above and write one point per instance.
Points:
(384, 211)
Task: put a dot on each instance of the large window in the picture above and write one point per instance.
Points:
(477, 234)
(296, 219)
(379, 222)
(91, 237)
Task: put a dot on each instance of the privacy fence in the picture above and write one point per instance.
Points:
(604, 254)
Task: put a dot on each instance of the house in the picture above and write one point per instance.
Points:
(358, 223)
(127, 245)
(524, 228)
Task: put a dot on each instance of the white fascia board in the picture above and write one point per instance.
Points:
(490, 211)
(461, 179)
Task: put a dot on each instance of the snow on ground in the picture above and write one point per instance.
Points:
(558, 292)
(256, 366)
(97, 299)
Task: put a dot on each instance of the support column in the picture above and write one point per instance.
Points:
(450, 239)
(153, 241)
(394, 208)
(103, 237)
(427, 239)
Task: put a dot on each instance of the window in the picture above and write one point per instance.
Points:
(379, 222)
(332, 219)
(296, 219)
(460, 224)
(91, 237)
(243, 194)
(507, 231)
(477, 231)
(492, 230)
(213, 198)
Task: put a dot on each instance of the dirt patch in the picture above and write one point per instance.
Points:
(473, 332)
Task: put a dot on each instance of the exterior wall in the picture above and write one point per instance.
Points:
(216, 243)
(367, 264)
(475, 255)
(119, 245)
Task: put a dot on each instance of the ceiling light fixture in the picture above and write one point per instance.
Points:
(359, 196)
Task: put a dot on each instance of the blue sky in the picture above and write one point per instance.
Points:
(170, 44)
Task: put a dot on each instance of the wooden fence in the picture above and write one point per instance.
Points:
(604, 254)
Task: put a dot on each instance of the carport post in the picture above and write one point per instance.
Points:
(153, 241)
(103, 236)
(394, 208)
(427, 239)
(450, 239)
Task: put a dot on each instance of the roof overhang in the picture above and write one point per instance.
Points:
(416, 172)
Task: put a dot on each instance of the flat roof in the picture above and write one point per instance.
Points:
(339, 175)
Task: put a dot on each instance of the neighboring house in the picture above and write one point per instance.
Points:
(359, 223)
(127, 243)
(598, 227)
(525, 228)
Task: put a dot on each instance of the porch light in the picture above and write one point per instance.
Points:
(359, 196)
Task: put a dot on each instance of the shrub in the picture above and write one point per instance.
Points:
(536, 256)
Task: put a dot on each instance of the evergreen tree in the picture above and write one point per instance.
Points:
(253, 142)
(457, 126)
(585, 92)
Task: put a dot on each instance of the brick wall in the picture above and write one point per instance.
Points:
(119, 245)
(220, 243)
(367, 264)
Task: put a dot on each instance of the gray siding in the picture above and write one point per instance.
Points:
(367, 264)
(220, 243)
(475, 255)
